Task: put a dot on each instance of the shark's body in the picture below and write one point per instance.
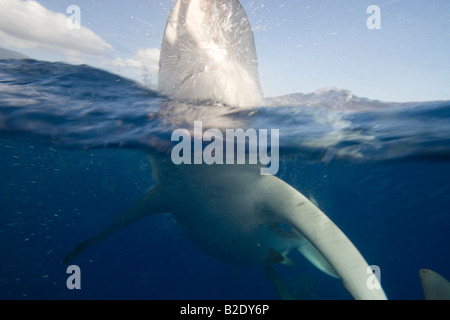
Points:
(233, 212)
(240, 217)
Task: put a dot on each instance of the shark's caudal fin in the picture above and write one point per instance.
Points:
(435, 286)
(208, 53)
(281, 289)
(151, 203)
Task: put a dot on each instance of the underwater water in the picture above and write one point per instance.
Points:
(73, 152)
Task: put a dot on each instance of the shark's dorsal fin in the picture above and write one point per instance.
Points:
(435, 286)
(153, 202)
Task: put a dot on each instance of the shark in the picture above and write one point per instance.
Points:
(233, 212)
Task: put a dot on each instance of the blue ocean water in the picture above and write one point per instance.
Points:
(73, 151)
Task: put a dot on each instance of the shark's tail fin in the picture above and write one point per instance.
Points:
(148, 205)
(281, 289)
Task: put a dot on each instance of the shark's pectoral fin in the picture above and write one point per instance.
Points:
(317, 259)
(151, 203)
(340, 256)
(295, 210)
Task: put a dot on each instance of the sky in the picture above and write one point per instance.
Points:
(302, 45)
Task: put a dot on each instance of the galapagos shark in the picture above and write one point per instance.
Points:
(232, 212)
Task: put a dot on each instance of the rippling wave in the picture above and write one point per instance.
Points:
(80, 106)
